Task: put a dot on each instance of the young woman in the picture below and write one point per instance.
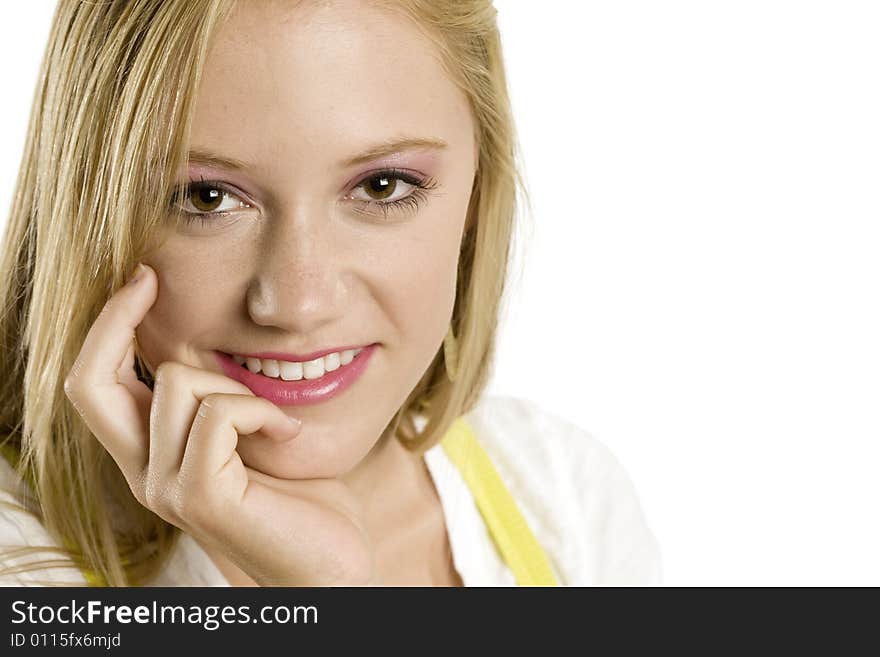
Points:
(288, 388)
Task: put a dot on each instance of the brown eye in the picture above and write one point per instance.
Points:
(380, 187)
(389, 191)
(205, 199)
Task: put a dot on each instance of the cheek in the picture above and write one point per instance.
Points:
(422, 292)
(196, 291)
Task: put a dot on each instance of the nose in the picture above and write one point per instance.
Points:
(298, 284)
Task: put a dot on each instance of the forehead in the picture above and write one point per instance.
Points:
(321, 79)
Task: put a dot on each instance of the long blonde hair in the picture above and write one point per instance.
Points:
(108, 132)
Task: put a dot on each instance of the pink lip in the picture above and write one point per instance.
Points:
(297, 358)
(304, 391)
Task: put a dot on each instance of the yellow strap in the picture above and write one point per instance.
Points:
(508, 528)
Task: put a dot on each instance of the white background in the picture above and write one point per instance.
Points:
(700, 281)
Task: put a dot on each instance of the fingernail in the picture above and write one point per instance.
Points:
(294, 421)
(137, 274)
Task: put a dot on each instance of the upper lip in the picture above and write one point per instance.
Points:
(295, 358)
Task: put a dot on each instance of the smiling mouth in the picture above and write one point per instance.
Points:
(297, 371)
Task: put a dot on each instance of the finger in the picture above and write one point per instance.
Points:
(177, 393)
(219, 422)
(110, 404)
(105, 348)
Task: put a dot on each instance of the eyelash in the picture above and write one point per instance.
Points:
(410, 202)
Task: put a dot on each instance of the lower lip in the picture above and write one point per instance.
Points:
(304, 391)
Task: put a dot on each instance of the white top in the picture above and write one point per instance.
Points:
(575, 496)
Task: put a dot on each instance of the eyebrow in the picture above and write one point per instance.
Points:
(374, 152)
(198, 156)
(393, 146)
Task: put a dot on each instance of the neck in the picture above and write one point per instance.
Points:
(381, 468)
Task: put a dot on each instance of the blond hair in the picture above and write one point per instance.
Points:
(108, 131)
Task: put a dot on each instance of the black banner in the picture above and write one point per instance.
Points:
(129, 621)
(535, 620)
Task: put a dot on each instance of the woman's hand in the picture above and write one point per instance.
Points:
(176, 446)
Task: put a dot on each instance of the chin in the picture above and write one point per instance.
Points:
(308, 456)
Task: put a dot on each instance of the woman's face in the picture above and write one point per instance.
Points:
(300, 255)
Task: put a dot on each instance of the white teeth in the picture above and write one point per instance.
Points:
(270, 368)
(331, 362)
(313, 369)
(290, 371)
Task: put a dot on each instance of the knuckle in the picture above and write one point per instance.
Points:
(150, 496)
(73, 381)
(217, 404)
(70, 386)
(138, 486)
(175, 502)
(168, 373)
(73, 392)
(156, 497)
(140, 495)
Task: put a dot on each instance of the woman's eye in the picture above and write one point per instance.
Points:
(383, 187)
(209, 198)
(392, 191)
